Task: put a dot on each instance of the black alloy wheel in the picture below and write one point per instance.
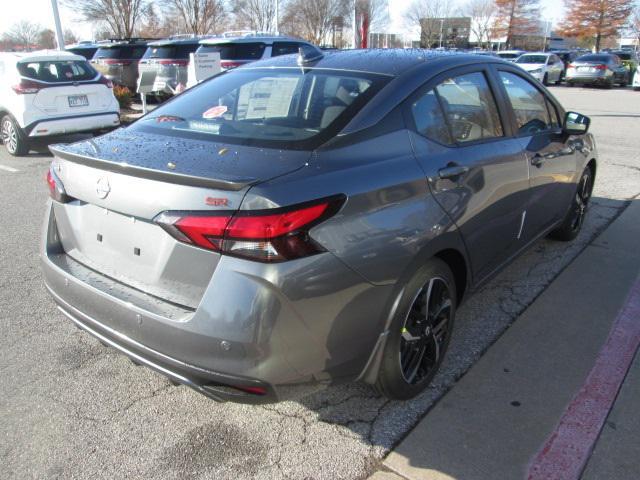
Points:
(424, 332)
(578, 211)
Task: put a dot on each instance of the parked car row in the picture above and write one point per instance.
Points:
(121, 61)
(605, 69)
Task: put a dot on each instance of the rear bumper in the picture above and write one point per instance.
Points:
(280, 328)
(81, 123)
(589, 79)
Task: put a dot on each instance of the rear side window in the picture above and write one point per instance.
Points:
(469, 108)
(236, 51)
(528, 103)
(58, 71)
(429, 118)
(284, 48)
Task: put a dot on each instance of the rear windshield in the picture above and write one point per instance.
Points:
(236, 51)
(508, 55)
(623, 55)
(532, 59)
(86, 52)
(289, 108)
(57, 71)
(121, 52)
(595, 58)
(180, 52)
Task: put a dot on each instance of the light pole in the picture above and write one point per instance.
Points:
(56, 19)
(277, 19)
(441, 26)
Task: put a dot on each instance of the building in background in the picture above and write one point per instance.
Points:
(449, 32)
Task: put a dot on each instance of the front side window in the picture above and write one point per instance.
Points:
(469, 108)
(528, 104)
(57, 71)
(290, 108)
(429, 119)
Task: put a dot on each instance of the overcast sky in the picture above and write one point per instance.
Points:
(39, 11)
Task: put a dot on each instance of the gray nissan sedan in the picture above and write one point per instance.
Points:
(313, 218)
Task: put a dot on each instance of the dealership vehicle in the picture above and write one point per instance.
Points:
(546, 67)
(170, 60)
(628, 59)
(567, 56)
(313, 218)
(86, 49)
(237, 51)
(636, 79)
(51, 93)
(117, 60)
(510, 55)
(597, 69)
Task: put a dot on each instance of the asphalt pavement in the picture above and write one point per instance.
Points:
(71, 408)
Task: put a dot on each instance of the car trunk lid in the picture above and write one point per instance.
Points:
(120, 182)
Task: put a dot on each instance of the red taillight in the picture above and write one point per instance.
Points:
(175, 63)
(56, 189)
(113, 61)
(571, 65)
(28, 86)
(265, 235)
(105, 81)
(600, 67)
(228, 64)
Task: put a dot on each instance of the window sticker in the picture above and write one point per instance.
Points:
(215, 112)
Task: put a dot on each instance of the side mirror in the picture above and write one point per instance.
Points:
(576, 124)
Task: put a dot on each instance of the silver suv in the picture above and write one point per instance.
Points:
(239, 50)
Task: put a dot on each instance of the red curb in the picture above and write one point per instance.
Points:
(566, 451)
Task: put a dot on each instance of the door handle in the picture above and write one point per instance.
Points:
(452, 171)
(537, 160)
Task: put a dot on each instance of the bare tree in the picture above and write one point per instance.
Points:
(155, 25)
(376, 10)
(47, 39)
(24, 34)
(313, 20)
(430, 16)
(120, 16)
(258, 15)
(482, 19)
(70, 37)
(198, 16)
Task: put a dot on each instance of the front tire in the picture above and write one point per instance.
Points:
(574, 219)
(13, 137)
(545, 80)
(419, 333)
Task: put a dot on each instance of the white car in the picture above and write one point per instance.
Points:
(546, 67)
(52, 93)
(636, 79)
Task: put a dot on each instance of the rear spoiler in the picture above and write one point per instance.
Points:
(227, 183)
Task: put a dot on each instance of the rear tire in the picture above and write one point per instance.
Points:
(574, 219)
(14, 139)
(545, 79)
(419, 333)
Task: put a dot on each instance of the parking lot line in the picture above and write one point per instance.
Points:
(8, 169)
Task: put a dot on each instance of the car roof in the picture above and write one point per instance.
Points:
(384, 61)
(511, 51)
(250, 39)
(41, 56)
(546, 54)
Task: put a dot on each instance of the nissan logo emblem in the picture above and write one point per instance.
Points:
(103, 188)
